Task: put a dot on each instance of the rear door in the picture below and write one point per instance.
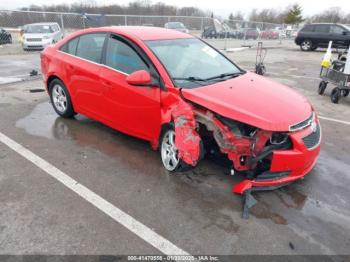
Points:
(321, 34)
(132, 109)
(82, 68)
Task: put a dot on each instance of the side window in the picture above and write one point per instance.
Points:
(122, 57)
(322, 28)
(90, 47)
(71, 46)
(308, 28)
(337, 30)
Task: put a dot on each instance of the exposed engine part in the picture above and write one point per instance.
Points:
(239, 141)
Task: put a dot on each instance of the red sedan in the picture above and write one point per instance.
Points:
(185, 98)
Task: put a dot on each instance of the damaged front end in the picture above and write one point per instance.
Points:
(262, 156)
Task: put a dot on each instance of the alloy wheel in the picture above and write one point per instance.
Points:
(169, 151)
(59, 98)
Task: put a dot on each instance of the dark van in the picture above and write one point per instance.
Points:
(312, 36)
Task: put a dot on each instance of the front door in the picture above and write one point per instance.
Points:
(131, 109)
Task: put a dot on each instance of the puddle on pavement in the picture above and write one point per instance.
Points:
(41, 122)
(208, 181)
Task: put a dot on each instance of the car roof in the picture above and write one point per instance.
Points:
(143, 32)
(48, 23)
(324, 24)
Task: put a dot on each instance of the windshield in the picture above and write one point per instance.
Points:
(192, 63)
(38, 29)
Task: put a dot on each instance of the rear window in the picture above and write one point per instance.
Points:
(90, 47)
(307, 28)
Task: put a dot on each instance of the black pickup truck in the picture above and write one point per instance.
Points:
(312, 36)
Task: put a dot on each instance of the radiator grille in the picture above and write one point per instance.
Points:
(313, 139)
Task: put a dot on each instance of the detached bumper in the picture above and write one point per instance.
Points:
(288, 165)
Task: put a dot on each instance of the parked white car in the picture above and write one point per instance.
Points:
(40, 35)
(178, 26)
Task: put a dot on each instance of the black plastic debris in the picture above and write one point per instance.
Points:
(291, 245)
(38, 90)
(248, 202)
(33, 73)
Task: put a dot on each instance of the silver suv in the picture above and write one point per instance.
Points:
(40, 35)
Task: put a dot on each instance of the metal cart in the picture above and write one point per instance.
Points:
(335, 76)
(261, 52)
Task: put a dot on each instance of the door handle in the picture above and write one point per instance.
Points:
(70, 67)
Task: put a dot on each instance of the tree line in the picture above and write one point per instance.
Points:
(292, 14)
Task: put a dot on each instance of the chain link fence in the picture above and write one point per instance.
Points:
(223, 34)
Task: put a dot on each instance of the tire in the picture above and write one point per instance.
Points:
(178, 165)
(306, 45)
(335, 95)
(322, 87)
(346, 93)
(60, 99)
(314, 48)
(10, 40)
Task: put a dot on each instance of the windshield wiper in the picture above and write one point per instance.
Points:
(191, 79)
(232, 75)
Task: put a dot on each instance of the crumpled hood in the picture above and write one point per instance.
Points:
(254, 100)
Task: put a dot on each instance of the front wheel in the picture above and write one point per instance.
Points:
(306, 45)
(335, 95)
(322, 87)
(169, 153)
(60, 99)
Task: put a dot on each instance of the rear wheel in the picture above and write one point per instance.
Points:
(346, 93)
(60, 99)
(306, 45)
(322, 87)
(335, 95)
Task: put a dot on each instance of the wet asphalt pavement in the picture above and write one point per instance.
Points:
(195, 210)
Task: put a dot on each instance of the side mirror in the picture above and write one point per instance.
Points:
(139, 78)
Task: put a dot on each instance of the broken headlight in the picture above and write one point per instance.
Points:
(278, 138)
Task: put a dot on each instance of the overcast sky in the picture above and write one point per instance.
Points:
(220, 7)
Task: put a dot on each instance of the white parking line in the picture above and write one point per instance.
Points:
(142, 231)
(334, 120)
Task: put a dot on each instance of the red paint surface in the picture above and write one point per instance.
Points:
(105, 95)
(255, 100)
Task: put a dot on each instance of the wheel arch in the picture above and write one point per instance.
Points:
(50, 79)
